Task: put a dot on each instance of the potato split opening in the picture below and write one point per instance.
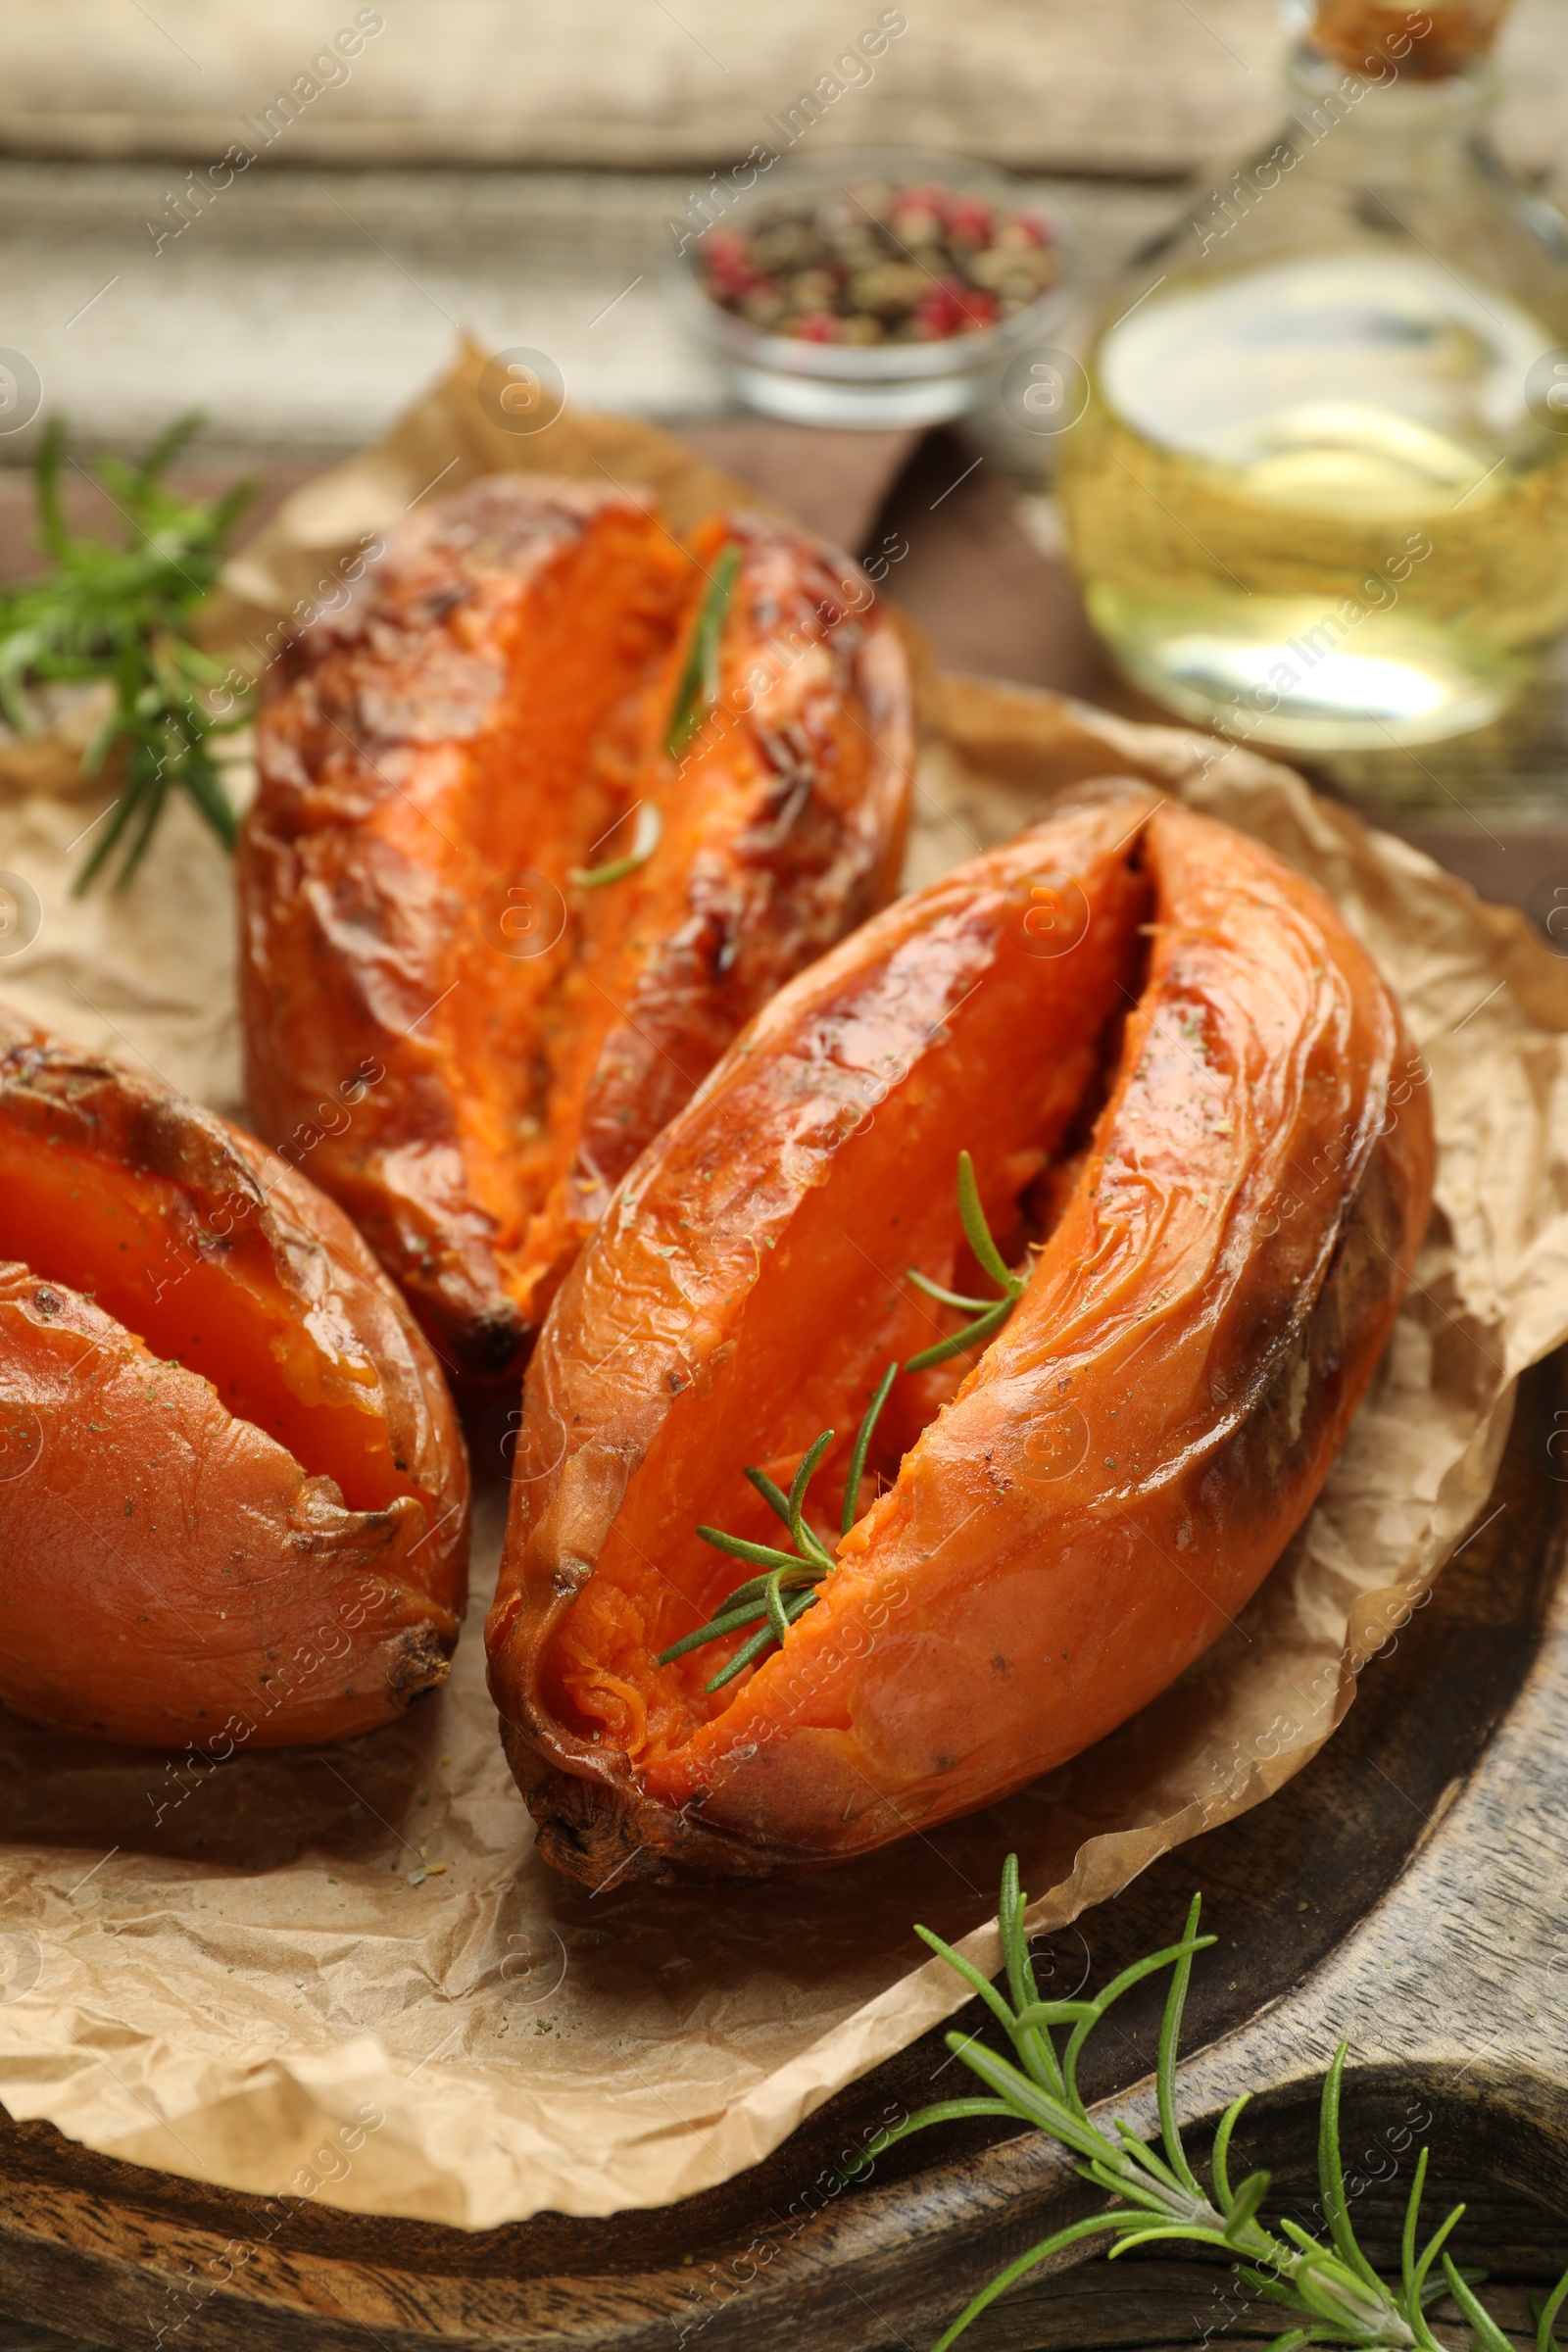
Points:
(808, 1353)
(591, 657)
(1117, 1475)
(495, 932)
(140, 1244)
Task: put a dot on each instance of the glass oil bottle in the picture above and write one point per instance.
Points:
(1319, 495)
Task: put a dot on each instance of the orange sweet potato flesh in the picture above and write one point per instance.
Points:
(1188, 1094)
(465, 1046)
(233, 1497)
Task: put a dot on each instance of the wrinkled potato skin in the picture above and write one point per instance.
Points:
(170, 1574)
(402, 782)
(1114, 1478)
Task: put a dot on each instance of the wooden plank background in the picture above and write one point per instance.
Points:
(1136, 88)
(306, 308)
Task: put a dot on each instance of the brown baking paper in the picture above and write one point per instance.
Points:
(223, 1969)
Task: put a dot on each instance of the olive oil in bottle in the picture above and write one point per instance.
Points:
(1319, 495)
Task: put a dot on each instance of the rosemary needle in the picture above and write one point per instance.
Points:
(777, 1598)
(990, 1313)
(863, 1446)
(122, 615)
(645, 841)
(698, 690)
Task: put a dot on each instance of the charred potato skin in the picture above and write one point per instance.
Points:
(594, 1820)
(351, 940)
(1324, 1273)
(346, 933)
(803, 865)
(385, 1588)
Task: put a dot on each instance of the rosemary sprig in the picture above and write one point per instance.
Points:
(698, 690)
(787, 1585)
(990, 1313)
(1332, 2288)
(787, 1588)
(121, 614)
(645, 841)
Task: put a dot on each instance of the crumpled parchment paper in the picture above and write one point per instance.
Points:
(216, 1968)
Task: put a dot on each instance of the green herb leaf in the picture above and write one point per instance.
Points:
(1070, 2236)
(1245, 2205)
(989, 1314)
(810, 1560)
(974, 1219)
(863, 1446)
(645, 841)
(1219, 2158)
(698, 689)
(946, 2111)
(1488, 2335)
(121, 614)
(1169, 2032)
(1331, 2174)
(1545, 2339)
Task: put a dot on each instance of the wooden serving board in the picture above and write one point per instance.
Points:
(1405, 1891)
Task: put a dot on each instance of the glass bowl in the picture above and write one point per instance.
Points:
(872, 386)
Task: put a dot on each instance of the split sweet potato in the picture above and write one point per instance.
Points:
(1198, 1140)
(546, 813)
(234, 1495)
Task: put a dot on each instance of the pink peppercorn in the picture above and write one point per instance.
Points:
(968, 219)
(949, 308)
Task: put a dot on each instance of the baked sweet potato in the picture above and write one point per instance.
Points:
(1181, 1081)
(234, 1495)
(546, 813)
